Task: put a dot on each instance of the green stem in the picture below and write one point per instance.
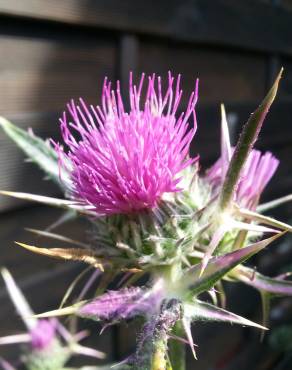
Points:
(177, 350)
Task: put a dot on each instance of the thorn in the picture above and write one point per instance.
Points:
(204, 263)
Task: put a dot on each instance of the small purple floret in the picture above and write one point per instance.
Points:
(122, 162)
(119, 305)
(43, 334)
(257, 172)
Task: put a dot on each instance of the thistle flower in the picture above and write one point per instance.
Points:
(43, 334)
(50, 344)
(256, 174)
(125, 161)
(123, 304)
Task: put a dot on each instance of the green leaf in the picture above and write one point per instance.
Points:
(206, 311)
(38, 150)
(245, 144)
(195, 282)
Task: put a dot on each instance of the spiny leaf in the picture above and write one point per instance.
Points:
(38, 150)
(231, 224)
(196, 283)
(245, 144)
(206, 311)
(261, 282)
(70, 254)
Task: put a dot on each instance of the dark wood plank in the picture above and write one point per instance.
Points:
(38, 76)
(287, 4)
(248, 24)
(12, 228)
(128, 59)
(224, 75)
(41, 74)
(286, 83)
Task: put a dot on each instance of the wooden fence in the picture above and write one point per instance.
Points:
(52, 51)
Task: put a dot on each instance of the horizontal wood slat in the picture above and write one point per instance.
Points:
(42, 74)
(248, 24)
(38, 76)
(224, 75)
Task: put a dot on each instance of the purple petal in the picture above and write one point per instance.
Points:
(125, 161)
(43, 334)
(256, 174)
(122, 304)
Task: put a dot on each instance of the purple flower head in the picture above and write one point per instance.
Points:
(122, 161)
(258, 171)
(43, 334)
(122, 304)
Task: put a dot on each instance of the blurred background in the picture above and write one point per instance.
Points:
(52, 51)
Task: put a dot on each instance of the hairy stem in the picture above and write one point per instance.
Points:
(177, 350)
